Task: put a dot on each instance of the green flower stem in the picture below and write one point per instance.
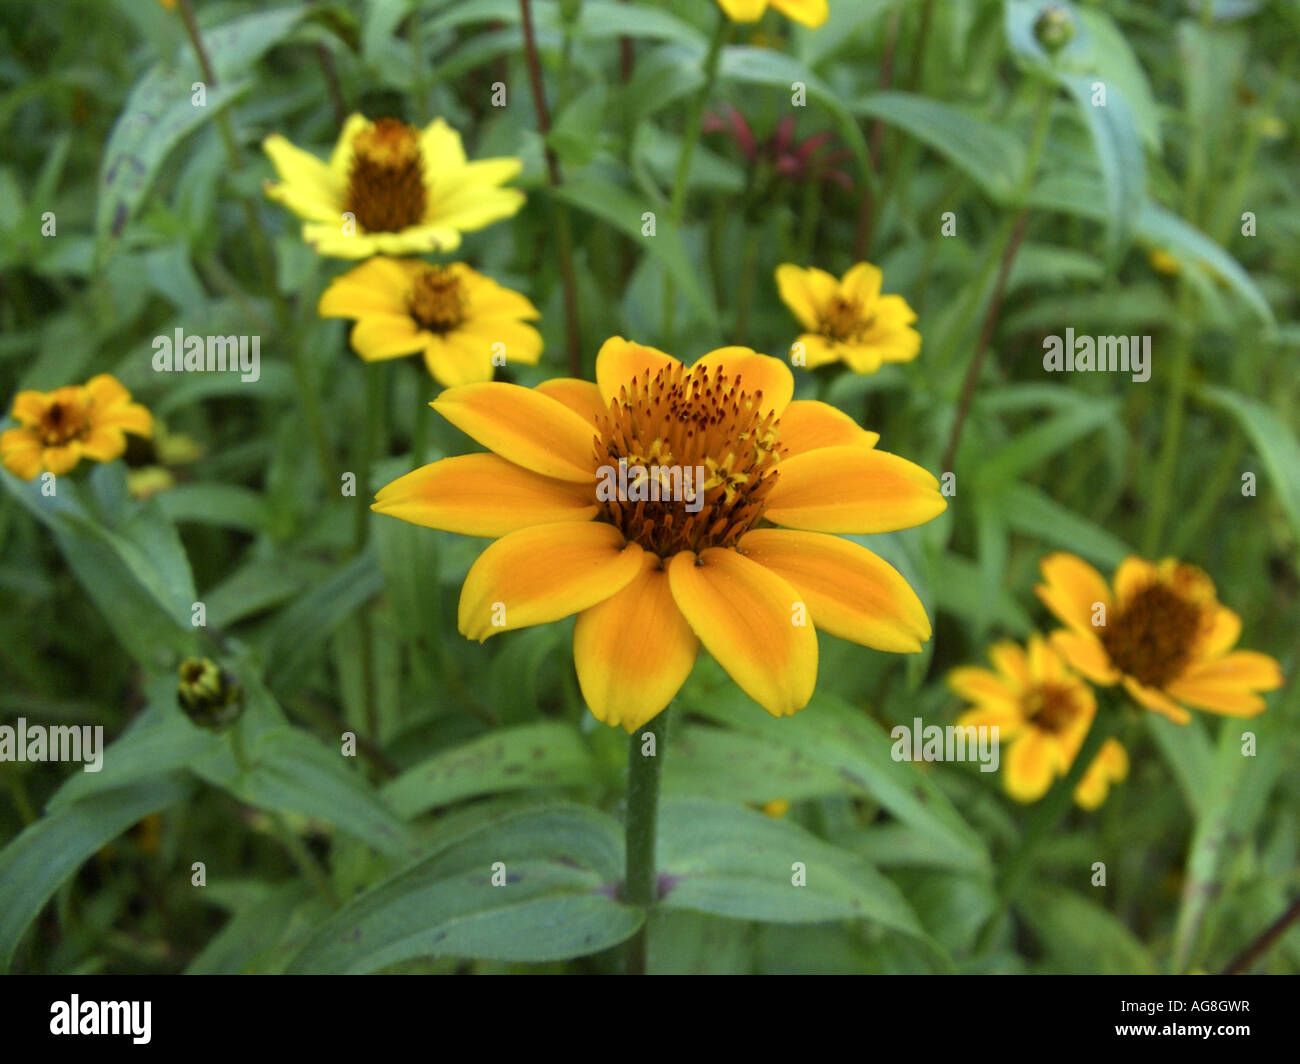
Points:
(690, 134)
(293, 845)
(372, 435)
(1175, 413)
(420, 429)
(640, 885)
(1045, 816)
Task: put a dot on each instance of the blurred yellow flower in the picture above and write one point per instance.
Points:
(1163, 262)
(61, 427)
(391, 188)
(1040, 708)
(777, 807)
(680, 554)
(807, 12)
(149, 480)
(848, 320)
(455, 317)
(1161, 633)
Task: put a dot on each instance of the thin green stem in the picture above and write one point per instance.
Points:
(690, 134)
(645, 754)
(372, 434)
(1175, 411)
(420, 428)
(745, 289)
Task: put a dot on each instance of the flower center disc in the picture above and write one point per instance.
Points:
(437, 299)
(1151, 639)
(700, 443)
(60, 424)
(1052, 708)
(842, 319)
(386, 189)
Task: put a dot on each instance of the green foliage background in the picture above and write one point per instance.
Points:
(473, 754)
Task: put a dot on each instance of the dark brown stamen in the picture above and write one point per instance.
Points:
(1153, 636)
(843, 319)
(437, 299)
(687, 420)
(61, 424)
(386, 189)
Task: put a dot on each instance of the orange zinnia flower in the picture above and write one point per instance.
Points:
(61, 427)
(1161, 633)
(652, 572)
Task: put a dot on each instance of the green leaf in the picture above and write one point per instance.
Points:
(261, 938)
(222, 505)
(1273, 439)
(1081, 936)
(730, 861)
(835, 735)
(1119, 154)
(605, 200)
(549, 754)
(160, 111)
(1031, 510)
(560, 866)
(49, 851)
(719, 763)
(987, 153)
(1035, 445)
(292, 772)
(1164, 229)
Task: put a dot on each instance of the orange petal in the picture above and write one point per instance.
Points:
(852, 489)
(619, 360)
(543, 573)
(482, 495)
(1072, 587)
(745, 616)
(849, 591)
(633, 651)
(808, 425)
(1085, 654)
(1156, 700)
(756, 374)
(582, 397)
(522, 425)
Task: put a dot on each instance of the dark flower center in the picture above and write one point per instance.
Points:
(386, 190)
(61, 424)
(842, 319)
(1152, 637)
(437, 299)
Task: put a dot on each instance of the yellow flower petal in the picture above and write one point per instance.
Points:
(582, 397)
(1223, 634)
(520, 343)
(619, 360)
(1007, 724)
(1010, 661)
(378, 286)
(1086, 655)
(103, 444)
(21, 451)
(849, 591)
(380, 336)
(743, 10)
(1072, 588)
(757, 374)
(862, 283)
(307, 186)
(985, 688)
(524, 426)
(29, 406)
(453, 361)
(441, 147)
(744, 615)
(543, 573)
(482, 495)
(1131, 576)
(807, 425)
(633, 651)
(852, 490)
(1030, 765)
(806, 292)
(811, 13)
(1155, 700)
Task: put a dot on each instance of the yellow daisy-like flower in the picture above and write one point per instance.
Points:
(1044, 711)
(1161, 633)
(391, 188)
(59, 428)
(848, 320)
(707, 459)
(777, 807)
(810, 13)
(456, 318)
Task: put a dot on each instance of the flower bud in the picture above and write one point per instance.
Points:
(210, 696)
(1054, 27)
